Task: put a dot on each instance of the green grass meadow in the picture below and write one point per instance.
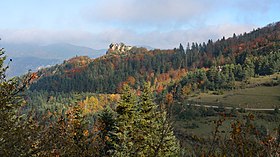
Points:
(257, 97)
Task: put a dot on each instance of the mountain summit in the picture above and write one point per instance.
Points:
(121, 48)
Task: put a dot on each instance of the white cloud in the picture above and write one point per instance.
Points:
(173, 14)
(42, 36)
(156, 23)
(148, 12)
(157, 39)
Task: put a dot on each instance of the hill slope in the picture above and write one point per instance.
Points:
(224, 61)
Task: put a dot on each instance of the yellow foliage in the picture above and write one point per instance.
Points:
(186, 90)
(86, 133)
(90, 105)
(96, 103)
(113, 98)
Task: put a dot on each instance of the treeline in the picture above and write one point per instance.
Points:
(43, 102)
(105, 75)
(224, 77)
(257, 50)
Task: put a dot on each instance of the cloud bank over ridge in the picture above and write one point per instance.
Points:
(157, 23)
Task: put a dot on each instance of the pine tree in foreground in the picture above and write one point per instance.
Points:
(143, 128)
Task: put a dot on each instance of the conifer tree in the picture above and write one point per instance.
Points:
(107, 125)
(156, 129)
(7, 109)
(126, 115)
(147, 131)
(16, 132)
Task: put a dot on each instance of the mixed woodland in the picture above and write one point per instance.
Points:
(140, 102)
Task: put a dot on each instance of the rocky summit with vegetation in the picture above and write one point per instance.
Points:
(216, 98)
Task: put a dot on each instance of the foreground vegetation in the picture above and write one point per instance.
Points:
(135, 127)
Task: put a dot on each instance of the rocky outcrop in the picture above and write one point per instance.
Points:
(121, 48)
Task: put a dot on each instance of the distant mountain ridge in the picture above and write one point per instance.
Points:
(32, 56)
(59, 51)
(21, 65)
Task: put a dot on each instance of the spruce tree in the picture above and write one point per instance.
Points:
(126, 115)
(158, 137)
(107, 126)
(143, 127)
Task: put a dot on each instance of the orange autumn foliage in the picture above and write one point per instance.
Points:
(169, 98)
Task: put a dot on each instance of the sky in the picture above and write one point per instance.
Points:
(156, 23)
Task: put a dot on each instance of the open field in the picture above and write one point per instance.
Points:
(257, 97)
(259, 93)
(256, 81)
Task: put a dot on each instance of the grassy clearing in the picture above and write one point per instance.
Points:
(263, 79)
(257, 97)
(205, 126)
